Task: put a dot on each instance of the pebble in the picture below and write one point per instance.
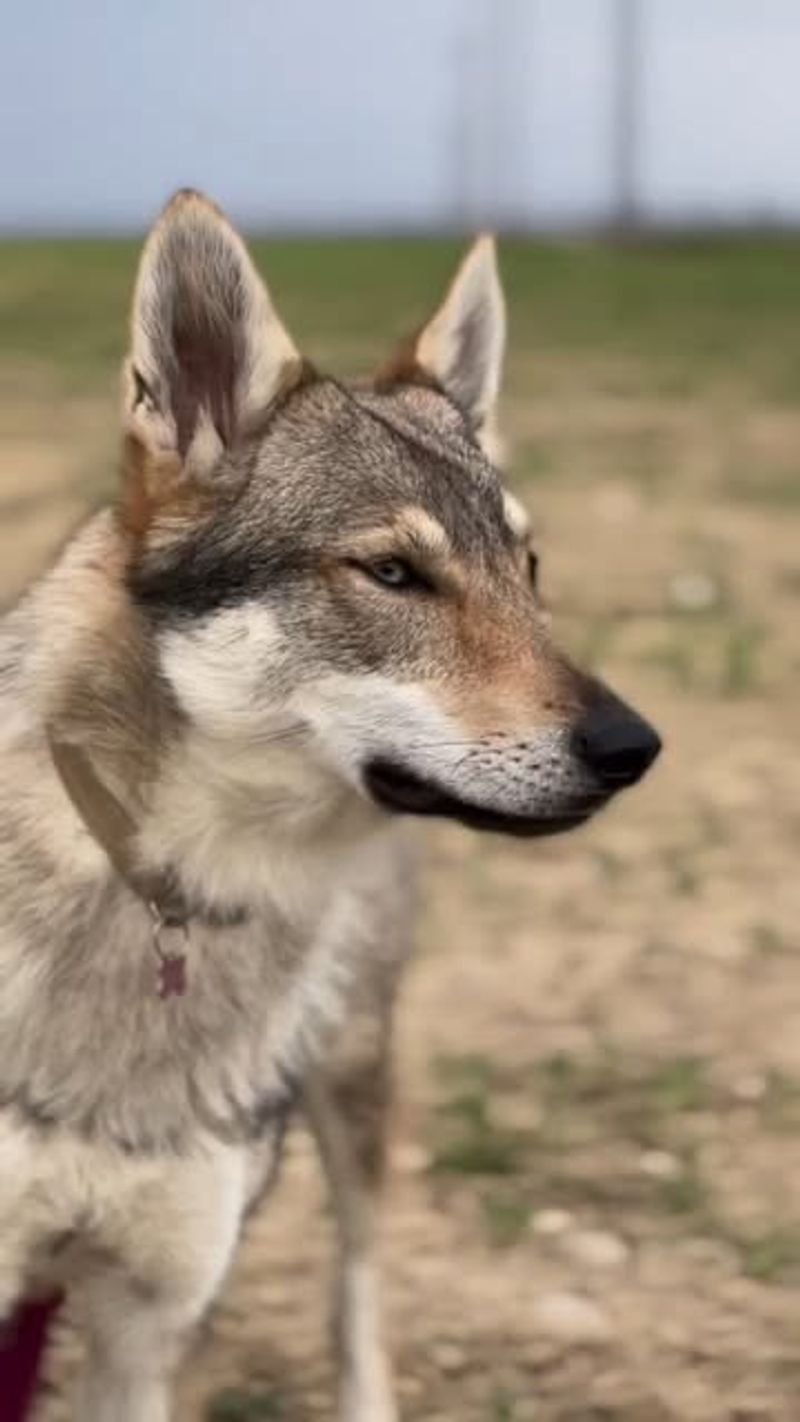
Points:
(551, 1222)
(449, 1358)
(694, 591)
(660, 1164)
(570, 1318)
(408, 1158)
(751, 1087)
(596, 1248)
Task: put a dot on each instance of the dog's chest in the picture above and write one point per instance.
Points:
(91, 1044)
(81, 1205)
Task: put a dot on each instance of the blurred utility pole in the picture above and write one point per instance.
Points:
(500, 27)
(463, 157)
(488, 78)
(627, 72)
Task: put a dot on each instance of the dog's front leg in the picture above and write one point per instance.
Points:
(348, 1119)
(168, 1251)
(134, 1347)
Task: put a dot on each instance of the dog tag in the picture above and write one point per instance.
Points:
(172, 975)
(171, 963)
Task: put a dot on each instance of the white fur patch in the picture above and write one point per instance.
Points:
(222, 667)
(516, 516)
(360, 716)
(367, 1394)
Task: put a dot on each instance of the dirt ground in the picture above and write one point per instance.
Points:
(592, 1213)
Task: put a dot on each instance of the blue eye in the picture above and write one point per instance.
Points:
(392, 573)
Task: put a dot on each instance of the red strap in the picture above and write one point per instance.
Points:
(21, 1349)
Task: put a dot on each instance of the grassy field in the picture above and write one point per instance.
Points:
(593, 1214)
(692, 310)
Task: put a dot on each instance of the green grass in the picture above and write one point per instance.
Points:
(679, 1084)
(691, 311)
(779, 1108)
(688, 1194)
(469, 1138)
(578, 1102)
(470, 1141)
(773, 1257)
(715, 653)
(573, 1102)
(767, 941)
(502, 1407)
(681, 868)
(237, 1405)
(613, 1095)
(739, 672)
(506, 1216)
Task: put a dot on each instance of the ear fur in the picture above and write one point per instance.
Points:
(208, 351)
(463, 344)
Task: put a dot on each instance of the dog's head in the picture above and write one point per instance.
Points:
(340, 570)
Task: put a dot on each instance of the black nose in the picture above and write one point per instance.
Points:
(615, 743)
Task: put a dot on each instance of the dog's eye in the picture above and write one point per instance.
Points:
(393, 573)
(533, 570)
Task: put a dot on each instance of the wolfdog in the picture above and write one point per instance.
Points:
(311, 613)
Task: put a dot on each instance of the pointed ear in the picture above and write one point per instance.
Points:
(208, 352)
(463, 344)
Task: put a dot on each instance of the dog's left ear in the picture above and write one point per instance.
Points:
(208, 351)
(463, 344)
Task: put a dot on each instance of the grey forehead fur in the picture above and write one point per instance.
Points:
(330, 460)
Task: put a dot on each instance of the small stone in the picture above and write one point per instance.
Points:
(596, 1248)
(408, 1158)
(449, 1358)
(750, 1087)
(694, 592)
(550, 1223)
(570, 1318)
(660, 1165)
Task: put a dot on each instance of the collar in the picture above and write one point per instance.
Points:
(114, 828)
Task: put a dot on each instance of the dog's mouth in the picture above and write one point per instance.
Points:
(396, 788)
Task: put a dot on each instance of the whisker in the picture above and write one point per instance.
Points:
(448, 745)
(485, 741)
(295, 730)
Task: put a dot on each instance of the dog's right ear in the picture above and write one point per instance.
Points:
(208, 351)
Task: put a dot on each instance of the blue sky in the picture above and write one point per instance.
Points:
(346, 113)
